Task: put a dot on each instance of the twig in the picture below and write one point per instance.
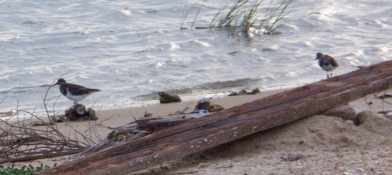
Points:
(20, 141)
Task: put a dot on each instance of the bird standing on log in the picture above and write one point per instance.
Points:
(327, 63)
(74, 92)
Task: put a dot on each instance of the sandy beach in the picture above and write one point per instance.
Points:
(318, 144)
(132, 50)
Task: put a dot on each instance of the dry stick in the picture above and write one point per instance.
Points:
(46, 95)
(232, 124)
(100, 123)
(21, 142)
(93, 148)
(52, 126)
(18, 139)
(45, 99)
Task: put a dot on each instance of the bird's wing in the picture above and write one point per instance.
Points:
(79, 90)
(332, 60)
(334, 63)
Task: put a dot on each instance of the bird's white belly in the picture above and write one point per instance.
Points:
(75, 97)
(329, 67)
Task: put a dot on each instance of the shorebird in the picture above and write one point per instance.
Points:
(74, 92)
(327, 63)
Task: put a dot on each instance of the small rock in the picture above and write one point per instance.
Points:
(216, 108)
(205, 104)
(373, 121)
(366, 116)
(79, 112)
(245, 92)
(118, 135)
(167, 98)
(361, 117)
(255, 91)
(293, 157)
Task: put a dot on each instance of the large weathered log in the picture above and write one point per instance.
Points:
(202, 133)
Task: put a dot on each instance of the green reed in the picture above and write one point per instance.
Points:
(243, 15)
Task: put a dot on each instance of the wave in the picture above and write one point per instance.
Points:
(219, 86)
(24, 89)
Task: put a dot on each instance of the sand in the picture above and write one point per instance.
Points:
(315, 145)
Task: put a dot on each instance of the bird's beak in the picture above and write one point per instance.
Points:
(55, 84)
(316, 58)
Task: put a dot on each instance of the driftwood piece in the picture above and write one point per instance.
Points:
(231, 124)
(137, 129)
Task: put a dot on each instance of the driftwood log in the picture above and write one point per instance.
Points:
(212, 130)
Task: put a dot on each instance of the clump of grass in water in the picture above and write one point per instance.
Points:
(25, 170)
(226, 20)
(246, 15)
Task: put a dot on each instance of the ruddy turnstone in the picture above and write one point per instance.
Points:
(327, 63)
(74, 92)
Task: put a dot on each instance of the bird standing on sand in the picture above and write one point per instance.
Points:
(327, 63)
(74, 92)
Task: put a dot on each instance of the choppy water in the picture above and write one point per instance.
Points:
(131, 49)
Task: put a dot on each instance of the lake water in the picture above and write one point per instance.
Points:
(132, 49)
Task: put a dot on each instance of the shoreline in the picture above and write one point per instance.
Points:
(324, 142)
(170, 108)
(111, 118)
(120, 116)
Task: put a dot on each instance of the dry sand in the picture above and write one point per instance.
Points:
(315, 145)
